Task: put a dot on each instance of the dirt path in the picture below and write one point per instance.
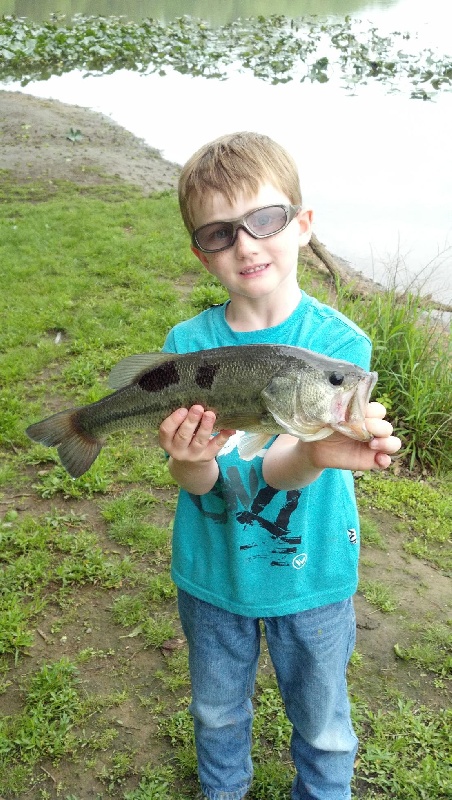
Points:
(34, 144)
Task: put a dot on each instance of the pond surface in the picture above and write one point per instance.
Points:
(375, 165)
(217, 12)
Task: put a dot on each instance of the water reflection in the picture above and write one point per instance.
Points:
(217, 13)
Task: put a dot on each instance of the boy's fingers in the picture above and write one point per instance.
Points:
(192, 421)
(376, 410)
(220, 440)
(203, 431)
(382, 460)
(171, 424)
(178, 428)
(388, 444)
(378, 427)
(188, 433)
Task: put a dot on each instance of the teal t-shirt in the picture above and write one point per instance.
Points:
(245, 546)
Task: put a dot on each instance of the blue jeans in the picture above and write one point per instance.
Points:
(310, 652)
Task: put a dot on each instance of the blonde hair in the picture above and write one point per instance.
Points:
(233, 164)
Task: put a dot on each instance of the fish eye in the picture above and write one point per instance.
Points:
(336, 378)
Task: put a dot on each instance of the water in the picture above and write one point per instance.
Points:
(375, 166)
(217, 12)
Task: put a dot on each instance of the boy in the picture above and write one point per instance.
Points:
(275, 538)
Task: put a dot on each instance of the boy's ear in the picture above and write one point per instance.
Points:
(304, 219)
(202, 256)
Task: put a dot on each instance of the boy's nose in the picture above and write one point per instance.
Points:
(244, 242)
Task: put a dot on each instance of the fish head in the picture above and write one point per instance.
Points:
(334, 398)
(317, 395)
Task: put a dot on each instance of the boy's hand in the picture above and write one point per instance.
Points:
(187, 435)
(291, 464)
(340, 452)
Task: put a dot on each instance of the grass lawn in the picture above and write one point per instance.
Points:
(94, 685)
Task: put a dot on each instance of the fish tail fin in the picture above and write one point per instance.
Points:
(76, 447)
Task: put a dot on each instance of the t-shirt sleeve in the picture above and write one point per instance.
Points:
(169, 345)
(358, 350)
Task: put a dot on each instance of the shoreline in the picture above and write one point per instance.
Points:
(47, 140)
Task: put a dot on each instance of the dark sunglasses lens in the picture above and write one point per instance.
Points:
(215, 236)
(266, 221)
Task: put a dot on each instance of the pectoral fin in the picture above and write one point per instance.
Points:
(250, 444)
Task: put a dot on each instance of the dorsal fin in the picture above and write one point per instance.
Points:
(130, 369)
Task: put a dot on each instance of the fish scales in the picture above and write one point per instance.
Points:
(262, 389)
(224, 381)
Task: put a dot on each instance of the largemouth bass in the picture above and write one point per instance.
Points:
(261, 389)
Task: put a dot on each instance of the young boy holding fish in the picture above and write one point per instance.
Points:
(274, 538)
(265, 529)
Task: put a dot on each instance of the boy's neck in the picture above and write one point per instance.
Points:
(243, 314)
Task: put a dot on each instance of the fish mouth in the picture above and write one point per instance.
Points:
(353, 425)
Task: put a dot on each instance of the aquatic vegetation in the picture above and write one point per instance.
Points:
(276, 49)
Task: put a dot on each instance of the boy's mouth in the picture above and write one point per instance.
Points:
(252, 270)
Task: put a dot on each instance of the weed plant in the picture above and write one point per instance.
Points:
(412, 353)
(275, 49)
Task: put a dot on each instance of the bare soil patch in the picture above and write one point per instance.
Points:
(34, 145)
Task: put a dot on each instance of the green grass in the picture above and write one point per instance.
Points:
(399, 754)
(52, 706)
(379, 595)
(91, 654)
(412, 353)
(93, 270)
(42, 558)
(371, 534)
(155, 785)
(431, 650)
(423, 507)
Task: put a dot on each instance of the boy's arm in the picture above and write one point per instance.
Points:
(186, 435)
(291, 464)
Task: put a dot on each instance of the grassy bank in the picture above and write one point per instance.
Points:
(93, 669)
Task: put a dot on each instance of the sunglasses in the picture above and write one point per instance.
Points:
(261, 222)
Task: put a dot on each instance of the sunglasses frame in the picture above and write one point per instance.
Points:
(240, 222)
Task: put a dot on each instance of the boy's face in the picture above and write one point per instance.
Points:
(253, 267)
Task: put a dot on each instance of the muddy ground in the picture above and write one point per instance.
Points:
(34, 144)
